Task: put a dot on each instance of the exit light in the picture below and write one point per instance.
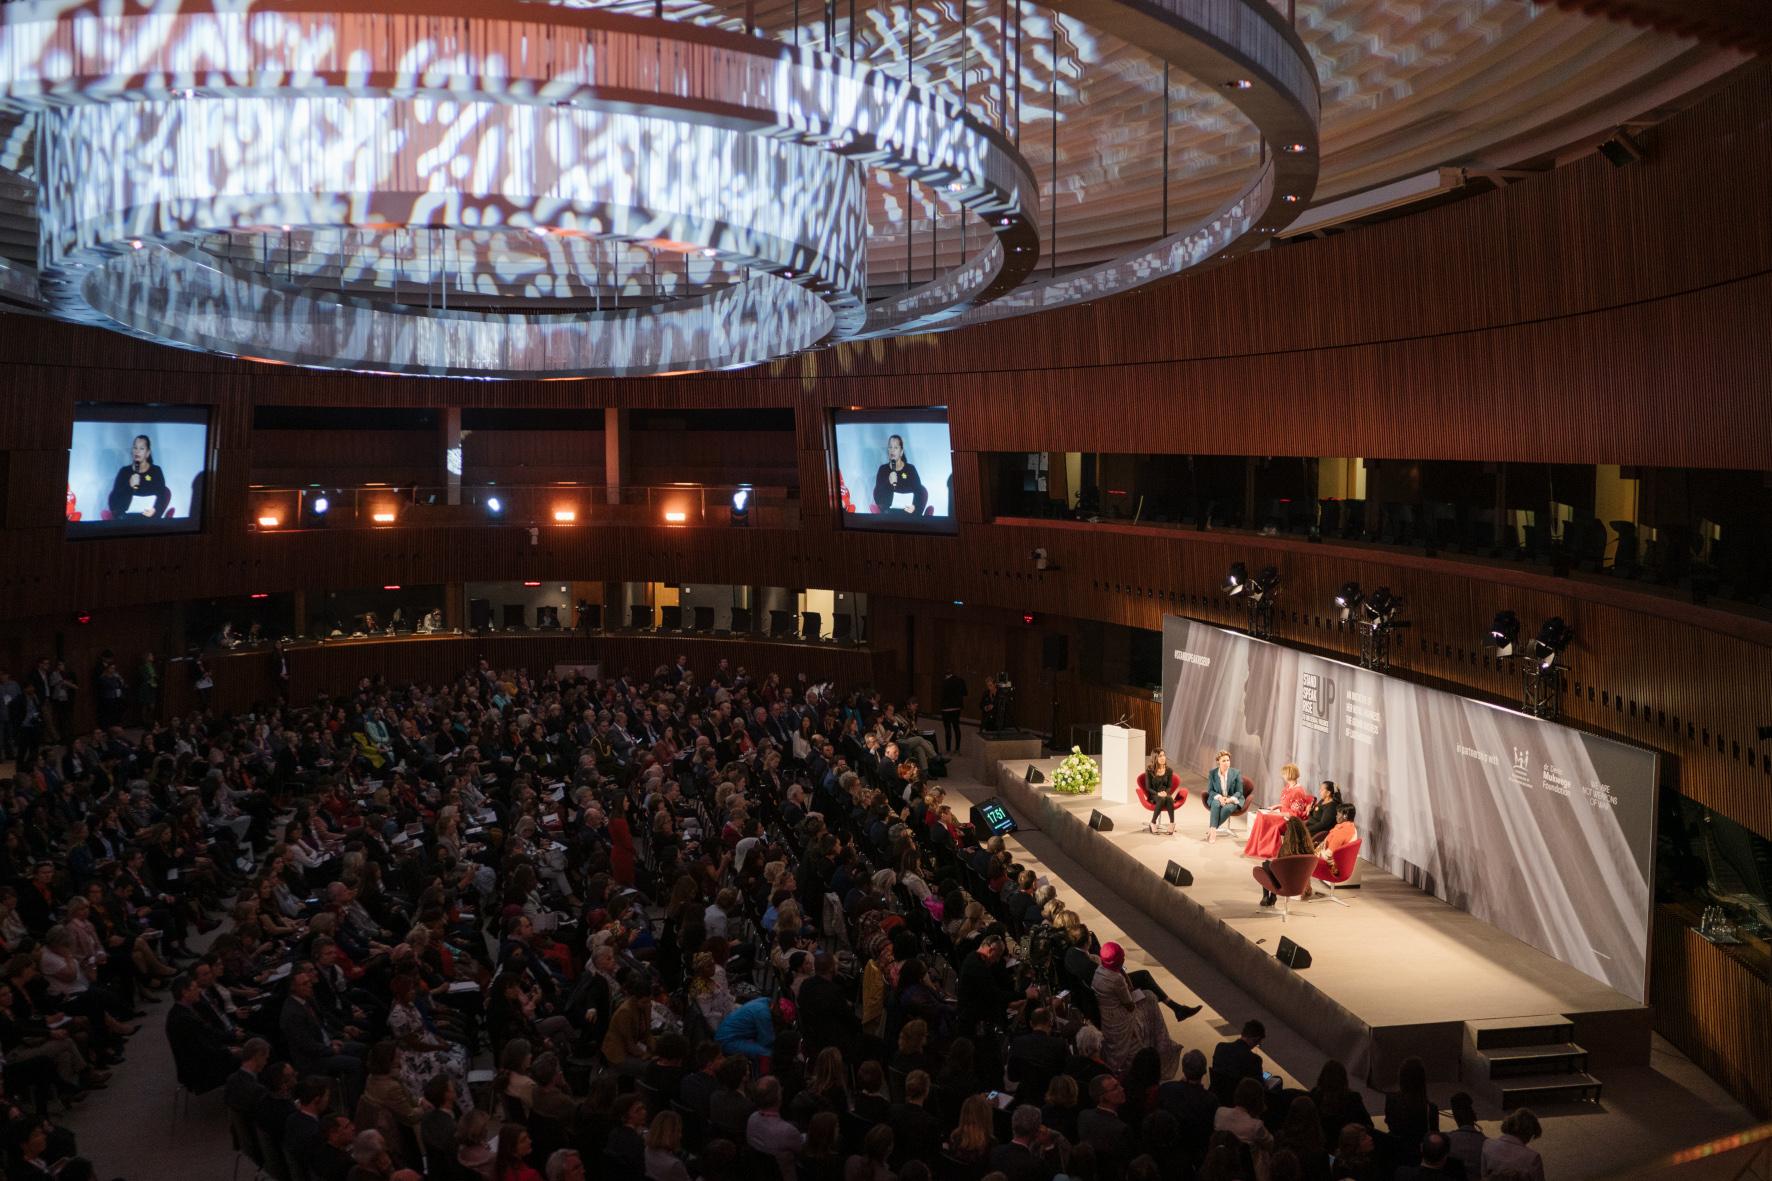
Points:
(392, 586)
(1027, 617)
(260, 595)
(532, 584)
(269, 522)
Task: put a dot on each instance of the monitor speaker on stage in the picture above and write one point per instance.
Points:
(1292, 955)
(990, 816)
(1178, 875)
(1100, 821)
(1034, 775)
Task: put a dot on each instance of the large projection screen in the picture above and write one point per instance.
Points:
(1538, 829)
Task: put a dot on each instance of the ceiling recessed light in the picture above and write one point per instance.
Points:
(1295, 147)
(1239, 84)
(1291, 198)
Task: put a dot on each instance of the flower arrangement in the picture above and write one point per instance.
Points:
(1077, 775)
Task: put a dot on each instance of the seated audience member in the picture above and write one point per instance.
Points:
(1466, 1138)
(1338, 1104)
(1510, 1150)
(916, 1133)
(766, 1131)
(1355, 1156)
(1243, 1116)
(975, 1132)
(1191, 1103)
(1435, 1161)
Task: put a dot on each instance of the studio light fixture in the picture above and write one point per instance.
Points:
(269, 522)
(319, 505)
(1348, 599)
(675, 516)
(741, 507)
(1554, 638)
(1504, 633)
(1381, 607)
(486, 215)
(565, 516)
(494, 505)
(1236, 580)
(1264, 584)
(382, 518)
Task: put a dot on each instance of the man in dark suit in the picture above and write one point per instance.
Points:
(1036, 1058)
(916, 1134)
(1236, 1060)
(1437, 1162)
(301, 1131)
(312, 1048)
(698, 1084)
(330, 1158)
(244, 1090)
(1024, 1157)
(1102, 1126)
(199, 1049)
(276, 1107)
(1192, 1105)
(826, 1016)
(984, 992)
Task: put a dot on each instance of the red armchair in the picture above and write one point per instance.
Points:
(1288, 877)
(1177, 794)
(1339, 870)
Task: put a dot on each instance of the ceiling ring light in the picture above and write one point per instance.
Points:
(54, 55)
(121, 254)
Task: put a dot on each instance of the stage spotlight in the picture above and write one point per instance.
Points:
(1504, 633)
(320, 505)
(494, 505)
(1348, 598)
(1264, 584)
(1554, 638)
(1237, 581)
(741, 506)
(1381, 607)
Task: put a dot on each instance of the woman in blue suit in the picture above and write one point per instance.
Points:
(1225, 793)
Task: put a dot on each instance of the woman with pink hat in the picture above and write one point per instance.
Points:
(1130, 1019)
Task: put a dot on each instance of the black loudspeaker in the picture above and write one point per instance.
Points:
(704, 619)
(1100, 821)
(781, 623)
(1055, 653)
(1178, 875)
(514, 613)
(1292, 955)
(1034, 775)
(741, 619)
(639, 616)
(811, 625)
(992, 817)
(480, 614)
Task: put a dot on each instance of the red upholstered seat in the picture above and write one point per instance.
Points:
(1144, 796)
(1289, 877)
(1342, 868)
(1248, 797)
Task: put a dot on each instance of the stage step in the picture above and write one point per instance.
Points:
(1512, 1062)
(1501, 1033)
(1538, 1090)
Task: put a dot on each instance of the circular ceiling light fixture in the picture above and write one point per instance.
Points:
(547, 191)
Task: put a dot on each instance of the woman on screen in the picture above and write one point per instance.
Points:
(140, 478)
(898, 477)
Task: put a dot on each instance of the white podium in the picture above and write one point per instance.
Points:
(1122, 762)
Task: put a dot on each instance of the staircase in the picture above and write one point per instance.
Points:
(1527, 1061)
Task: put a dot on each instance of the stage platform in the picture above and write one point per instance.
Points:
(1395, 973)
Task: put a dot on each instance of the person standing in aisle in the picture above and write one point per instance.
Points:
(953, 700)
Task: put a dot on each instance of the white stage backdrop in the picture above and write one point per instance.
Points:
(1543, 831)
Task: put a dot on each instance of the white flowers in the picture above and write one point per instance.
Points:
(1077, 775)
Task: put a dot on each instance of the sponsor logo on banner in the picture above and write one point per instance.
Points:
(1601, 795)
(1553, 779)
(1316, 701)
(1193, 658)
(1522, 772)
(1482, 756)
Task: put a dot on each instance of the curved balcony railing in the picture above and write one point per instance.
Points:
(376, 506)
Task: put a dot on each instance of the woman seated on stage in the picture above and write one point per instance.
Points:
(1326, 812)
(1225, 793)
(1294, 800)
(1162, 786)
(1343, 833)
(1294, 839)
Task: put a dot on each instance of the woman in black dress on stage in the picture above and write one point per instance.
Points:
(141, 476)
(897, 476)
